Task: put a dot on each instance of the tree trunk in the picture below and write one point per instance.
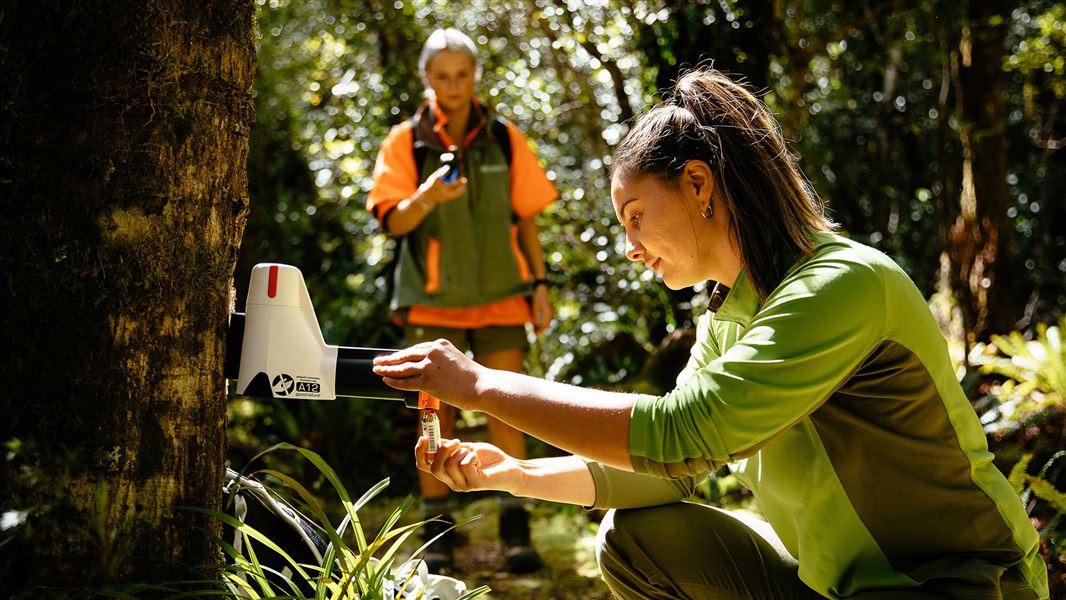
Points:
(123, 165)
(982, 234)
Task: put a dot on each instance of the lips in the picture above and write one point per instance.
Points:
(654, 266)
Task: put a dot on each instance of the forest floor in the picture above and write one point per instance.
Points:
(564, 536)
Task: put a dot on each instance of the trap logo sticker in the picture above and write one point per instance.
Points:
(307, 387)
(282, 385)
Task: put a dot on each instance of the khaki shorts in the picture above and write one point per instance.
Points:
(481, 341)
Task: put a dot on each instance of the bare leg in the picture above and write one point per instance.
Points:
(519, 554)
(507, 438)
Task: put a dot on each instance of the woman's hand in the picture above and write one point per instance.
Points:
(410, 212)
(437, 368)
(542, 309)
(470, 466)
(435, 190)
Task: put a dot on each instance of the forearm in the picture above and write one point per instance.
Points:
(563, 479)
(586, 422)
(408, 214)
(589, 423)
(529, 240)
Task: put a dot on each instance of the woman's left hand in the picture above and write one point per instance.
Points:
(437, 368)
(466, 466)
(542, 309)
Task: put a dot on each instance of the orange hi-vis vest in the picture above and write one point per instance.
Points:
(462, 266)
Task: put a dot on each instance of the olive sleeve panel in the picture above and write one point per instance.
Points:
(616, 488)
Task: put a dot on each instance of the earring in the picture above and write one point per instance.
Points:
(707, 211)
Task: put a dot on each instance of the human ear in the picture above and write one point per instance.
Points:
(699, 177)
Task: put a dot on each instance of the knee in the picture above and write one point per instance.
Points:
(611, 530)
(610, 555)
(629, 559)
(618, 534)
(605, 536)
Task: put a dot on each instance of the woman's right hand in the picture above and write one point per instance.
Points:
(470, 466)
(435, 190)
(437, 368)
(412, 211)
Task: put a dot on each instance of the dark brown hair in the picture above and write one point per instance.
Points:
(709, 117)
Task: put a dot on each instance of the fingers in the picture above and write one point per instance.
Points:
(434, 183)
(420, 454)
(402, 369)
(437, 179)
(437, 368)
(468, 464)
(406, 376)
(456, 465)
(413, 353)
(440, 190)
(439, 173)
(444, 450)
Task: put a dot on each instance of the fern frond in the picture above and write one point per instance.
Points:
(1018, 475)
(1045, 490)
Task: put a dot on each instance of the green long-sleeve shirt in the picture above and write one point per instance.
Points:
(835, 402)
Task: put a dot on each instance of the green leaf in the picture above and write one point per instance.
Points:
(475, 593)
(255, 535)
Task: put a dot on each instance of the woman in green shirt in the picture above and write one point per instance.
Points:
(819, 376)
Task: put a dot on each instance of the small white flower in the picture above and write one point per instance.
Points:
(12, 518)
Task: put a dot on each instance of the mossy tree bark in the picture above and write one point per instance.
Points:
(124, 192)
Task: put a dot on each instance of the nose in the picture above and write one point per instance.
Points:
(634, 251)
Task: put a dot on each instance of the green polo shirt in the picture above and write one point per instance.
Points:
(835, 402)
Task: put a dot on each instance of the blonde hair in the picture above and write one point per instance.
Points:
(446, 39)
(709, 117)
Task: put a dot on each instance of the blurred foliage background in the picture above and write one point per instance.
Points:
(934, 130)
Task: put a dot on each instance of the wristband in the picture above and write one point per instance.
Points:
(537, 282)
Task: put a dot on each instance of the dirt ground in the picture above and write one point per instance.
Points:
(564, 537)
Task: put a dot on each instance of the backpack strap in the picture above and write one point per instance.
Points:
(418, 145)
(498, 127)
(503, 137)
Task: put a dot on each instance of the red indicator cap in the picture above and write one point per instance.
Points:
(272, 282)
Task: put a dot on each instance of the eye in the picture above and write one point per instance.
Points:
(634, 218)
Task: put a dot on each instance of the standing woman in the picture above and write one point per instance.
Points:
(470, 266)
(818, 375)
